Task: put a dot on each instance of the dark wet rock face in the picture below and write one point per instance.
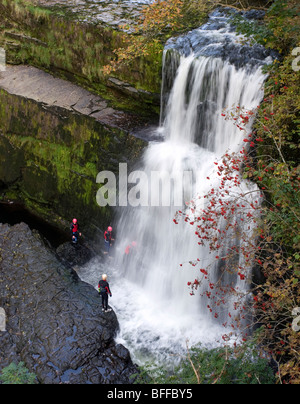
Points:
(73, 255)
(54, 321)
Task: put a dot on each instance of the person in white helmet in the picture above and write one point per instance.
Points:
(104, 291)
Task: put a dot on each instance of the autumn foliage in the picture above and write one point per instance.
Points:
(254, 234)
(158, 21)
(270, 158)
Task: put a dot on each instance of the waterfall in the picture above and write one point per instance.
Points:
(204, 73)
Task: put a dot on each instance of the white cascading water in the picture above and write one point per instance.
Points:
(156, 312)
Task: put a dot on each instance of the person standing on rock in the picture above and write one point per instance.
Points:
(108, 239)
(75, 231)
(104, 291)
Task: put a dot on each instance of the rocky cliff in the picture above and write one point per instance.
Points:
(55, 137)
(54, 321)
(76, 39)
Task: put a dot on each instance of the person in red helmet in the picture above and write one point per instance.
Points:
(108, 239)
(130, 248)
(75, 231)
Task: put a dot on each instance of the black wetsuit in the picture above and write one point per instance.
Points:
(104, 291)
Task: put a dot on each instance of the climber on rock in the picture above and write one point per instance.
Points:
(108, 239)
(104, 291)
(75, 231)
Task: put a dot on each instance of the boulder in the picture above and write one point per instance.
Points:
(54, 321)
(73, 255)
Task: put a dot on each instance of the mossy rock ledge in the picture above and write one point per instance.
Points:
(55, 137)
(76, 39)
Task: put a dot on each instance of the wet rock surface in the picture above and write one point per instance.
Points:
(54, 321)
(72, 255)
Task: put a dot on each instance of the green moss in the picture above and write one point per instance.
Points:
(56, 158)
(52, 156)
